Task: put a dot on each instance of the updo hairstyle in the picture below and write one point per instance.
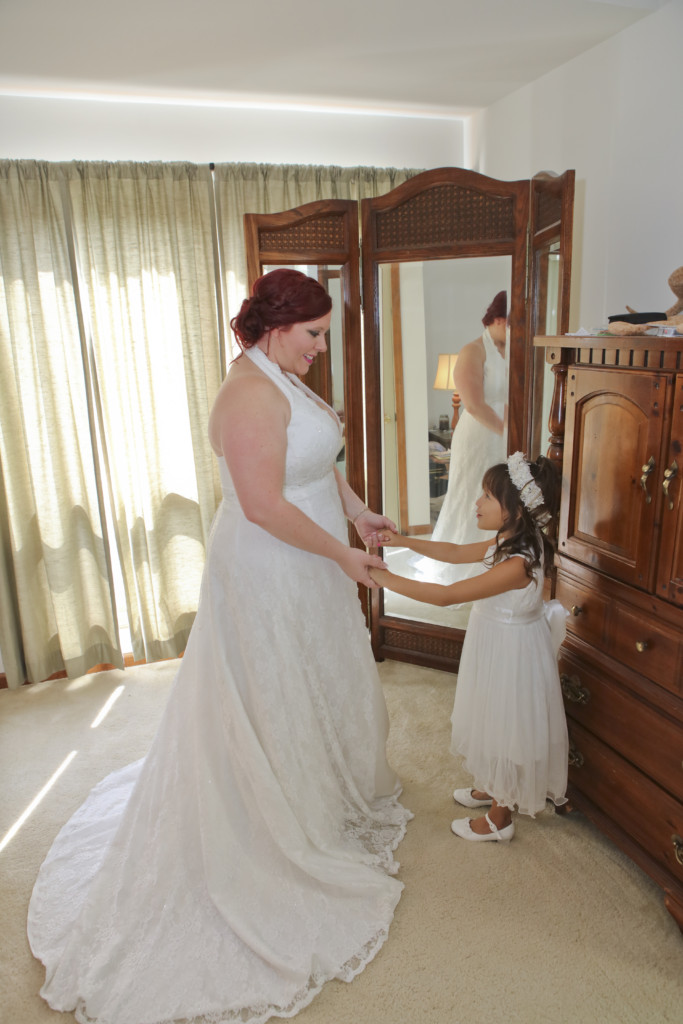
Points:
(279, 298)
(497, 309)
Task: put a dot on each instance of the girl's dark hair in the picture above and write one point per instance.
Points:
(531, 533)
(498, 308)
(279, 298)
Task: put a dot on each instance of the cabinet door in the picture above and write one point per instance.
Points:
(612, 464)
(670, 565)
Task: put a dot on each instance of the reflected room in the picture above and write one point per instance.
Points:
(428, 311)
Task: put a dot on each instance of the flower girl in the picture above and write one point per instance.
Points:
(508, 718)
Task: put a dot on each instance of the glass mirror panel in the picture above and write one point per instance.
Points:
(547, 277)
(429, 310)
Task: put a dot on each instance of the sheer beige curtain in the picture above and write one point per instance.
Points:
(145, 245)
(56, 605)
(112, 322)
(267, 188)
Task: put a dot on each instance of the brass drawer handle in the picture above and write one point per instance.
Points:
(575, 757)
(573, 690)
(642, 645)
(647, 469)
(678, 848)
(576, 609)
(669, 475)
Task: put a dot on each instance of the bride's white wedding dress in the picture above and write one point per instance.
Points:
(474, 448)
(248, 857)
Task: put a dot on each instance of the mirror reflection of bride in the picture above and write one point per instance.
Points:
(481, 380)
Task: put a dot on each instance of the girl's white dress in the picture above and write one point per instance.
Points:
(474, 448)
(248, 858)
(508, 718)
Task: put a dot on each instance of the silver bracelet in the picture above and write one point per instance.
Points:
(364, 509)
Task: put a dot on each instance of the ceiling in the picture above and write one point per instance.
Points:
(436, 57)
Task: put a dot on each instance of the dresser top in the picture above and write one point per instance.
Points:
(639, 351)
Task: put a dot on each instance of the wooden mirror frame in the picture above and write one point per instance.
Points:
(451, 213)
(441, 214)
(320, 234)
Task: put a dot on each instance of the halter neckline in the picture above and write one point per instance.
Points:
(278, 375)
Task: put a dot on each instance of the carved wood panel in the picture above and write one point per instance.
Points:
(613, 450)
(670, 566)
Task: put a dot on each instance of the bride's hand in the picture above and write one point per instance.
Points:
(368, 524)
(356, 564)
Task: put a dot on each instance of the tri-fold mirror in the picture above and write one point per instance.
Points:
(433, 254)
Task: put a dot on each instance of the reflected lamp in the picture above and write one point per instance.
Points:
(444, 381)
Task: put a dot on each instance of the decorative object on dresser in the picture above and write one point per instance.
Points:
(634, 323)
(619, 436)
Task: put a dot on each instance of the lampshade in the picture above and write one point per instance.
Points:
(444, 372)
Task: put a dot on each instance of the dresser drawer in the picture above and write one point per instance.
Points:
(588, 611)
(640, 808)
(635, 729)
(648, 647)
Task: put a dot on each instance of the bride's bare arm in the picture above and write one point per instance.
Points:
(468, 377)
(252, 425)
(366, 522)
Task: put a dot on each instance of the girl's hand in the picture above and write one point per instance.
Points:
(390, 539)
(368, 524)
(356, 564)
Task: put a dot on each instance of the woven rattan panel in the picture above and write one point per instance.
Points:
(548, 210)
(402, 640)
(320, 235)
(446, 214)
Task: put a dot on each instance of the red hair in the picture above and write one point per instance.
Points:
(279, 298)
(497, 309)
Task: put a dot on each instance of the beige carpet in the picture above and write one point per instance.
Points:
(555, 927)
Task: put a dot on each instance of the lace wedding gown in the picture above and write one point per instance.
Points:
(473, 449)
(247, 858)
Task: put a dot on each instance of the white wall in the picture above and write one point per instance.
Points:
(65, 129)
(415, 390)
(613, 114)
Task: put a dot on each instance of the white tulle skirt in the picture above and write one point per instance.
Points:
(508, 717)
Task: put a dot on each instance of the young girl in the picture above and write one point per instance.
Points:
(508, 718)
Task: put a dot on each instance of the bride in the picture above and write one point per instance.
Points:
(248, 857)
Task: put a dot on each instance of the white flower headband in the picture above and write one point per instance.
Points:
(520, 474)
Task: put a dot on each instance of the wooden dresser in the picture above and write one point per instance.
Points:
(617, 427)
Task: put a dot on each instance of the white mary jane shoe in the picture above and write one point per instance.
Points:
(461, 827)
(464, 797)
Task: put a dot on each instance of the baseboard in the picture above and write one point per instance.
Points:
(128, 661)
